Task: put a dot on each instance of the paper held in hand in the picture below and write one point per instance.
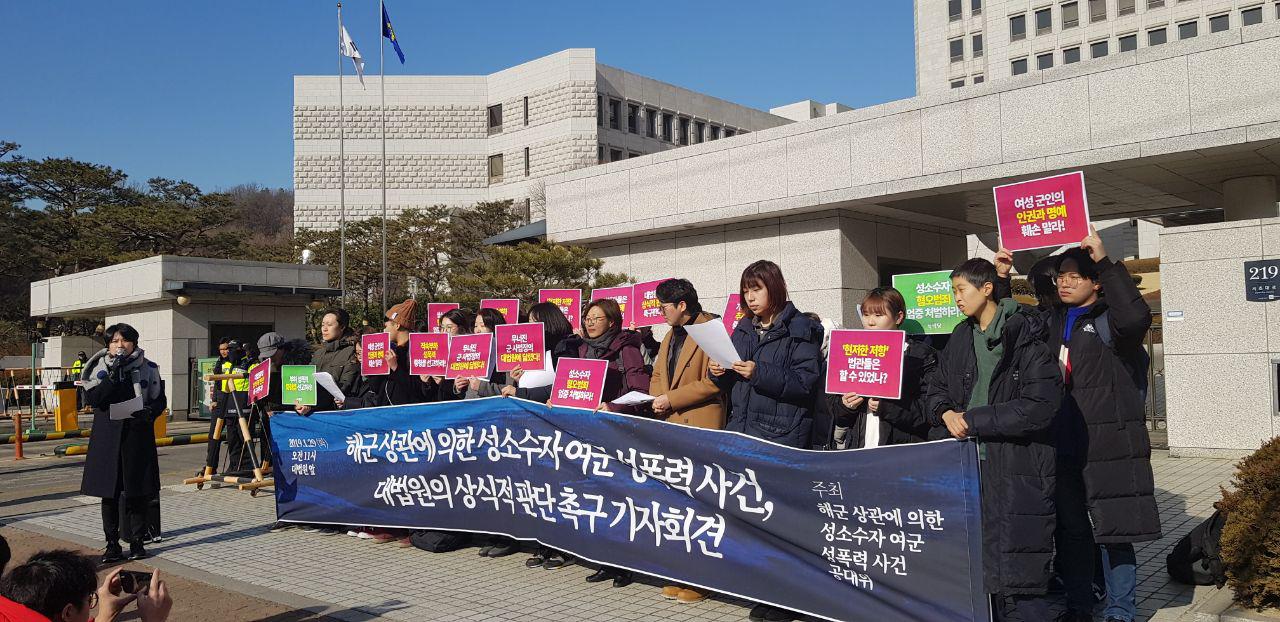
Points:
(634, 398)
(325, 380)
(125, 409)
(710, 336)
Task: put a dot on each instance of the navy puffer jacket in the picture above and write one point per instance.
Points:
(777, 403)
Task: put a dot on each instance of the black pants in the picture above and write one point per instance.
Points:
(1073, 539)
(237, 459)
(129, 511)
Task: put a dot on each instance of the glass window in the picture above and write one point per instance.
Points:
(615, 155)
(954, 12)
(977, 45)
(684, 131)
(728, 132)
(976, 7)
(1188, 30)
(666, 127)
(1155, 4)
(1097, 10)
(1070, 55)
(526, 111)
(526, 161)
(1157, 36)
(651, 122)
(1128, 43)
(1219, 23)
(1098, 49)
(1018, 67)
(615, 111)
(1017, 27)
(1044, 21)
(1249, 17)
(495, 117)
(955, 84)
(715, 132)
(699, 130)
(633, 154)
(495, 168)
(1126, 7)
(957, 50)
(633, 118)
(979, 79)
(1044, 61)
(1070, 15)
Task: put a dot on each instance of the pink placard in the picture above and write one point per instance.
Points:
(569, 301)
(866, 362)
(520, 345)
(508, 307)
(647, 308)
(428, 353)
(375, 348)
(1050, 211)
(579, 383)
(259, 381)
(434, 311)
(733, 313)
(620, 294)
(469, 356)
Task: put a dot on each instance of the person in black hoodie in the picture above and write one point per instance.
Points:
(872, 422)
(995, 382)
(1104, 447)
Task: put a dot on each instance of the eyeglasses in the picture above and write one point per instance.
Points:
(1069, 279)
(593, 320)
(93, 600)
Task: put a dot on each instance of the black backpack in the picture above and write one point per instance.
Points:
(1137, 361)
(1197, 558)
(439, 541)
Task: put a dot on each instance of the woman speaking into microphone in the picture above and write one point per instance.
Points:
(126, 394)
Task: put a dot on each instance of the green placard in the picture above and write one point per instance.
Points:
(298, 385)
(931, 307)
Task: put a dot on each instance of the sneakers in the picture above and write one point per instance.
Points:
(364, 535)
(670, 592)
(504, 549)
(539, 558)
(689, 595)
(769, 613)
(309, 529)
(557, 560)
(329, 531)
(112, 554)
(354, 533)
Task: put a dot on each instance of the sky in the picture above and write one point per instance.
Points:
(202, 90)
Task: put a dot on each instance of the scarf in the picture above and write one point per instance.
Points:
(141, 373)
(598, 346)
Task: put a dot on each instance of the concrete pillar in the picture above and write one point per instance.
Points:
(1246, 198)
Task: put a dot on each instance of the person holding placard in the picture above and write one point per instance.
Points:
(453, 322)
(996, 382)
(605, 339)
(336, 357)
(396, 387)
(560, 340)
(872, 422)
(487, 321)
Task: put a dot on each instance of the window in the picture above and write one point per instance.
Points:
(1070, 15)
(526, 111)
(615, 111)
(1219, 23)
(1278, 10)
(651, 122)
(955, 84)
(976, 7)
(1249, 17)
(1188, 30)
(1126, 7)
(684, 130)
(1128, 43)
(600, 110)
(977, 45)
(1044, 21)
(633, 154)
(1155, 4)
(1044, 61)
(615, 155)
(1017, 27)
(1098, 49)
(495, 118)
(728, 132)
(1157, 36)
(715, 132)
(599, 154)
(633, 118)
(495, 168)
(1097, 10)
(979, 79)
(954, 12)
(1018, 67)
(666, 127)
(957, 50)
(526, 161)
(699, 130)
(1070, 55)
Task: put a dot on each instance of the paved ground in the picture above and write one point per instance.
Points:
(216, 538)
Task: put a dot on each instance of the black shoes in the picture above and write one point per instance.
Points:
(556, 560)
(136, 552)
(112, 554)
(621, 578)
(502, 550)
(602, 574)
(539, 558)
(769, 613)
(484, 550)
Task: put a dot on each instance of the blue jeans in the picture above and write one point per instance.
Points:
(1120, 568)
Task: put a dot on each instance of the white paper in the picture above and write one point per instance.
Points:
(710, 336)
(634, 398)
(325, 380)
(125, 410)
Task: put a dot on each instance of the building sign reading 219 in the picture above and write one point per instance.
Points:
(1262, 280)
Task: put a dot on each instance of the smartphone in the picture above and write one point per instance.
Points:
(132, 581)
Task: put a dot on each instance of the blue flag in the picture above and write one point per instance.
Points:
(390, 33)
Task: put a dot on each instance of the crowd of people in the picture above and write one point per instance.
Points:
(1052, 393)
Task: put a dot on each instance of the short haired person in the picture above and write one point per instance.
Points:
(336, 356)
(996, 382)
(682, 389)
(122, 465)
(774, 389)
(1107, 489)
(62, 586)
(453, 322)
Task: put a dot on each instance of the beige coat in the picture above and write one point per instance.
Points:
(695, 400)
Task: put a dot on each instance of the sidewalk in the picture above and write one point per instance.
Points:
(220, 535)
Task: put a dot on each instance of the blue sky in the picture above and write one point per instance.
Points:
(202, 90)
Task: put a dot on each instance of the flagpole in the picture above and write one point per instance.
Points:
(382, 95)
(342, 177)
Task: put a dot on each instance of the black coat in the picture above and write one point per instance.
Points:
(122, 453)
(1103, 398)
(777, 403)
(904, 420)
(339, 359)
(1018, 471)
(398, 387)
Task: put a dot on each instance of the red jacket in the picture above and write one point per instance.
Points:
(14, 612)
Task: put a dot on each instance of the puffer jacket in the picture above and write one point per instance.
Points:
(339, 359)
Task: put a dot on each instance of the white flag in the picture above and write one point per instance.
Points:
(347, 48)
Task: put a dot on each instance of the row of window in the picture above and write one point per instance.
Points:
(495, 166)
(615, 154)
(495, 116)
(955, 10)
(1069, 14)
(976, 79)
(664, 126)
